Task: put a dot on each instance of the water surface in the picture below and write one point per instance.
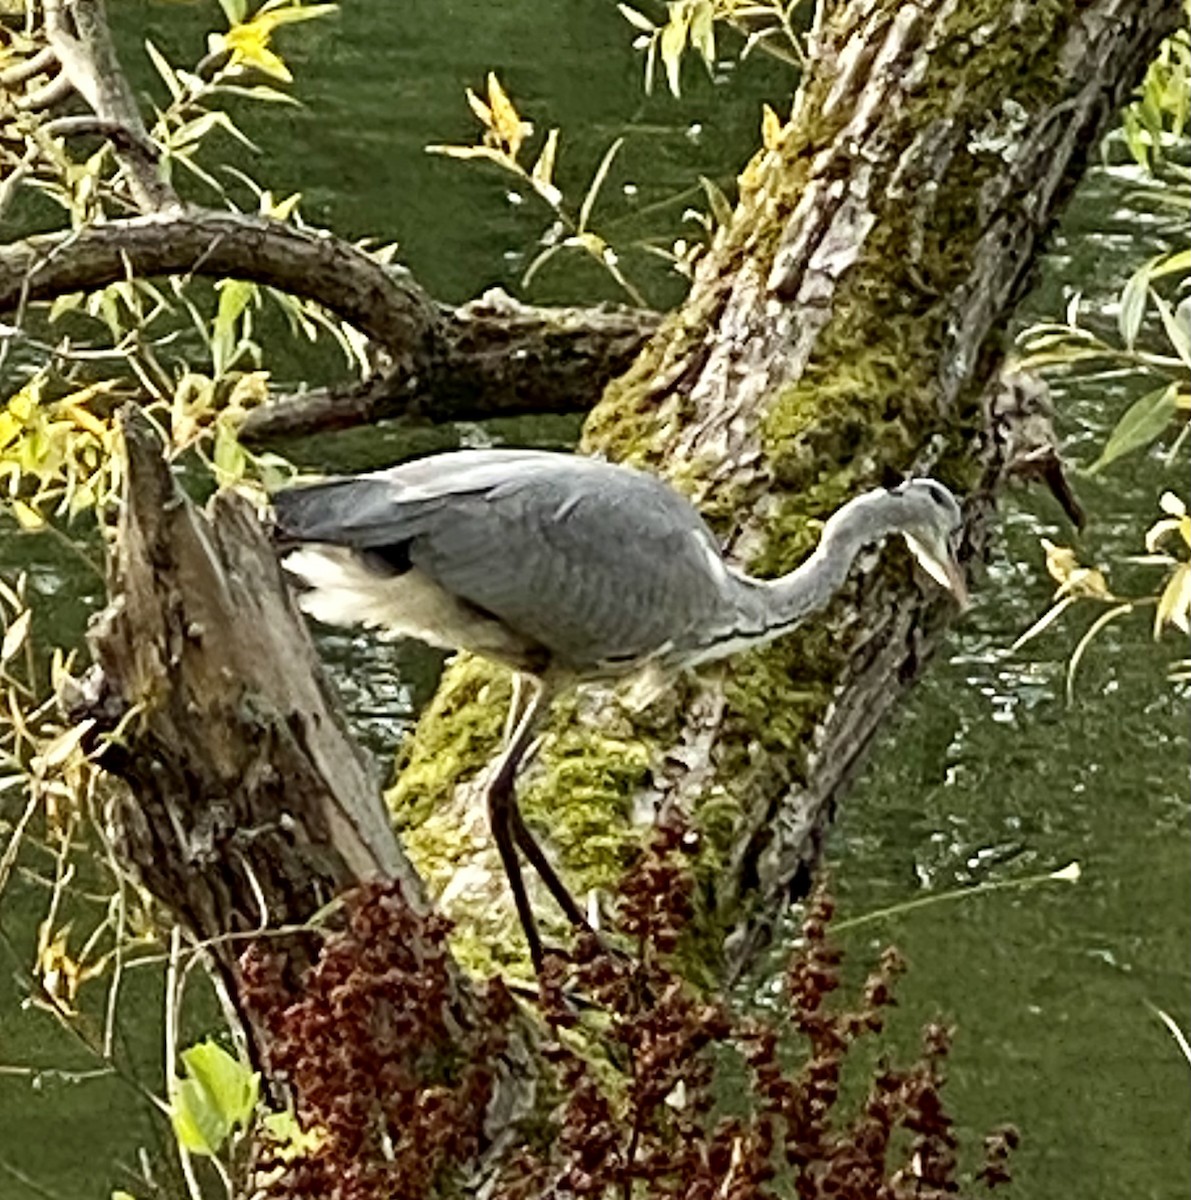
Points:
(986, 775)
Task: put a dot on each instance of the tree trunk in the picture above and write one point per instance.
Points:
(249, 807)
(846, 326)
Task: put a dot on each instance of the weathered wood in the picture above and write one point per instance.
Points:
(492, 357)
(846, 326)
(250, 804)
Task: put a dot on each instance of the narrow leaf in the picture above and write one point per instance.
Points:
(543, 171)
(1133, 304)
(14, 636)
(672, 45)
(721, 207)
(164, 70)
(597, 182)
(636, 19)
(1176, 327)
(1143, 421)
(771, 128)
(1174, 605)
(703, 32)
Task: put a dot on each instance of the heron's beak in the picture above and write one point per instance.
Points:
(939, 562)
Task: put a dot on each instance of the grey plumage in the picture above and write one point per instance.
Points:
(567, 568)
(588, 567)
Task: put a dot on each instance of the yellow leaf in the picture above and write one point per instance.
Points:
(283, 209)
(28, 518)
(506, 123)
(1174, 605)
(703, 31)
(1060, 560)
(14, 637)
(291, 14)
(480, 109)
(85, 420)
(672, 44)
(249, 46)
(1073, 580)
(10, 429)
(771, 128)
(23, 404)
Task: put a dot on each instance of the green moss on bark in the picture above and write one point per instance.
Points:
(870, 399)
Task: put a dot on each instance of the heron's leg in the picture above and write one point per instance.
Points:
(504, 815)
(540, 863)
(522, 691)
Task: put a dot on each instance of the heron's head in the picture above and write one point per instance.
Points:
(932, 524)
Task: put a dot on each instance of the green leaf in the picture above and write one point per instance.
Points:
(234, 295)
(597, 182)
(234, 10)
(197, 1124)
(1144, 421)
(228, 456)
(231, 1085)
(672, 45)
(219, 1094)
(1133, 303)
(164, 70)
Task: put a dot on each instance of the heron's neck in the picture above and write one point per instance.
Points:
(767, 609)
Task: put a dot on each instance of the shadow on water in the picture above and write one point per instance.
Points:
(986, 775)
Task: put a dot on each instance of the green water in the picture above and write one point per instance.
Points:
(987, 775)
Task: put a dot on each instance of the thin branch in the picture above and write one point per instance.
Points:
(79, 36)
(41, 63)
(378, 300)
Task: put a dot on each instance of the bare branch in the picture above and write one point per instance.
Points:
(41, 63)
(79, 38)
(381, 302)
(494, 357)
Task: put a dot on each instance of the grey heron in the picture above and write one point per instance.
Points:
(567, 569)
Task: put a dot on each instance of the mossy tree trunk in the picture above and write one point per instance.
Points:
(848, 324)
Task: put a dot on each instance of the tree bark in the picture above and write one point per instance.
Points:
(493, 357)
(846, 326)
(251, 805)
(248, 807)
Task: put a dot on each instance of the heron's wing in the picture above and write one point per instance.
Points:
(387, 507)
(594, 564)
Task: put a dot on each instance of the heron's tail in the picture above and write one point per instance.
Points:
(343, 511)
